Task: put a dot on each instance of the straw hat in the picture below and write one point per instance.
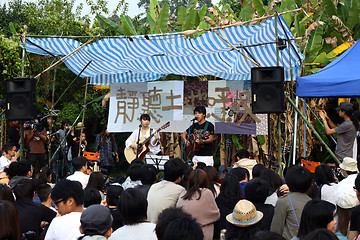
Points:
(80, 125)
(244, 214)
(349, 164)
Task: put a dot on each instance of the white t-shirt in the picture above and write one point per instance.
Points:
(145, 230)
(328, 192)
(80, 177)
(4, 162)
(155, 149)
(65, 227)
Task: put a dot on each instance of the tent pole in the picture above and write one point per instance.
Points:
(51, 120)
(295, 130)
(305, 127)
(279, 115)
(312, 129)
(83, 116)
(62, 59)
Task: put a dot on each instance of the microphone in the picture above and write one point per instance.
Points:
(140, 126)
(193, 119)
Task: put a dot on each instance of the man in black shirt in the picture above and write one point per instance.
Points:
(32, 216)
(201, 138)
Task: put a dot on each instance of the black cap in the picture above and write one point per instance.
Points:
(96, 220)
(345, 106)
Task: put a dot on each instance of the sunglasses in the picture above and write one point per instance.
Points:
(58, 201)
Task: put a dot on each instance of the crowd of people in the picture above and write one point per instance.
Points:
(188, 202)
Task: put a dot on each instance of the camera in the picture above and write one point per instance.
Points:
(29, 125)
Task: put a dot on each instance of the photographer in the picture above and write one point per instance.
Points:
(36, 139)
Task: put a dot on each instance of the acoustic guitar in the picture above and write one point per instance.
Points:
(194, 146)
(143, 149)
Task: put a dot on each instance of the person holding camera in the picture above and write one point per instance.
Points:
(36, 139)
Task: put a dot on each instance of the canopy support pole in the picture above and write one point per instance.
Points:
(235, 48)
(295, 131)
(83, 116)
(312, 129)
(305, 128)
(51, 119)
(62, 59)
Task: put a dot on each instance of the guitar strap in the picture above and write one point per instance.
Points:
(206, 127)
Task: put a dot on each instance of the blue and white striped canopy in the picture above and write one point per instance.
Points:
(146, 58)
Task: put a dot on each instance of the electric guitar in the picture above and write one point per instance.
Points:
(143, 148)
(194, 146)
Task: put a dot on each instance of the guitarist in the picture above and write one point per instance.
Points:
(205, 152)
(145, 132)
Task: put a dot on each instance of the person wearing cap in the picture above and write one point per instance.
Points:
(96, 222)
(346, 200)
(346, 131)
(242, 223)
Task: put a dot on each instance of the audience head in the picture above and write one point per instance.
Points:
(316, 214)
(298, 179)
(257, 169)
(45, 175)
(43, 191)
(272, 179)
(24, 190)
(242, 153)
(9, 221)
(201, 165)
(321, 234)
(148, 174)
(174, 170)
(91, 197)
(267, 235)
(213, 177)
(324, 175)
(197, 179)
(67, 195)
(242, 223)
(241, 173)
(183, 229)
(256, 191)
(96, 180)
(230, 191)
(20, 168)
(10, 148)
(348, 166)
(96, 220)
(132, 206)
(6, 193)
(134, 170)
(79, 163)
(165, 217)
(113, 194)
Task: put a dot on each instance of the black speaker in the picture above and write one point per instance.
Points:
(20, 96)
(267, 90)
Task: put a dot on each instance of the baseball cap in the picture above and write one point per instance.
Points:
(345, 106)
(96, 220)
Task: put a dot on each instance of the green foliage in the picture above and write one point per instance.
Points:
(161, 21)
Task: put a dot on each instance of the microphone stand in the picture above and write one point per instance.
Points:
(137, 142)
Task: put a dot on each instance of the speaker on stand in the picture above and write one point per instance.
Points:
(267, 93)
(20, 99)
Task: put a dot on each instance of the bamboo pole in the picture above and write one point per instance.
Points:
(312, 129)
(62, 59)
(83, 116)
(235, 48)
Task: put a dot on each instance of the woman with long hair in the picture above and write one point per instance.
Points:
(230, 194)
(106, 146)
(97, 181)
(274, 182)
(316, 214)
(45, 176)
(9, 221)
(6, 193)
(325, 179)
(214, 180)
(199, 202)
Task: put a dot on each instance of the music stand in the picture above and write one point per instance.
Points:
(157, 161)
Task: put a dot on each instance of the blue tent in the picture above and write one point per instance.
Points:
(144, 58)
(341, 78)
